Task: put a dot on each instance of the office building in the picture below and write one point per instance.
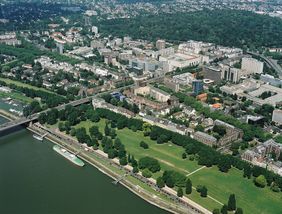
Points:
(212, 73)
(277, 116)
(251, 66)
(198, 86)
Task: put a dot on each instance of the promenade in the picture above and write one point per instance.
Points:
(165, 198)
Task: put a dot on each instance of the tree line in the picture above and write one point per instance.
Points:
(222, 27)
(205, 155)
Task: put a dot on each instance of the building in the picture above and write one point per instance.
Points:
(277, 116)
(231, 74)
(9, 39)
(198, 86)
(245, 87)
(232, 133)
(97, 44)
(212, 73)
(271, 80)
(100, 103)
(119, 96)
(95, 30)
(180, 60)
(160, 44)
(171, 84)
(195, 47)
(205, 138)
(157, 94)
(60, 47)
(143, 64)
(184, 79)
(251, 66)
(255, 120)
(262, 154)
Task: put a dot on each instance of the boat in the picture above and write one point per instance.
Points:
(20, 113)
(37, 137)
(71, 157)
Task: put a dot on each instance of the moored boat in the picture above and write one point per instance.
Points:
(71, 157)
(37, 137)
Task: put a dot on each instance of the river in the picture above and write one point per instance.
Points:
(36, 180)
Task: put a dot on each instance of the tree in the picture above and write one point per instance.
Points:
(247, 171)
(188, 187)
(260, 181)
(224, 209)
(162, 139)
(184, 156)
(204, 192)
(61, 126)
(216, 211)
(144, 145)
(160, 182)
(151, 163)
(112, 153)
(231, 203)
(94, 130)
(221, 130)
(239, 211)
(107, 130)
(42, 118)
(180, 192)
(113, 133)
(135, 169)
(123, 161)
(146, 173)
(117, 144)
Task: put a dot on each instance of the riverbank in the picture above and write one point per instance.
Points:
(7, 115)
(145, 188)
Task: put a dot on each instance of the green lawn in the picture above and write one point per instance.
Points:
(251, 198)
(20, 84)
(16, 96)
(220, 185)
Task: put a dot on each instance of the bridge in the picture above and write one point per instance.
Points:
(33, 117)
(269, 61)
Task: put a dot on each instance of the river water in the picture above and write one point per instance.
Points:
(36, 180)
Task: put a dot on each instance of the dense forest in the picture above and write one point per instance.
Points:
(225, 27)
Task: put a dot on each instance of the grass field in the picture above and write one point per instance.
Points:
(16, 96)
(251, 198)
(220, 185)
(8, 81)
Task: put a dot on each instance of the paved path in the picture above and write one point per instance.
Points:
(196, 171)
(195, 188)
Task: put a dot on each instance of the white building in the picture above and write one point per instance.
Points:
(95, 29)
(184, 79)
(251, 66)
(230, 74)
(180, 60)
(277, 116)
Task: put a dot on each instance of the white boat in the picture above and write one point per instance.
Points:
(37, 137)
(71, 157)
